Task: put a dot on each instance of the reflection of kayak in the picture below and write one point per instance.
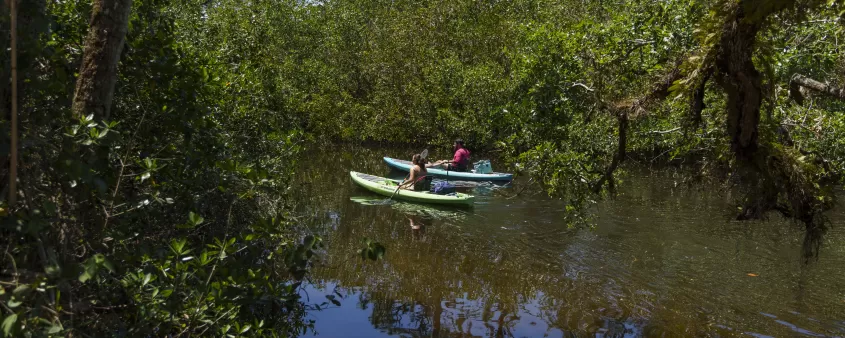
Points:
(412, 209)
(386, 187)
(458, 175)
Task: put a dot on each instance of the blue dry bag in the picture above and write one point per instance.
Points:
(442, 188)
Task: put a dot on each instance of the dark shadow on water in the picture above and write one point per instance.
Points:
(813, 239)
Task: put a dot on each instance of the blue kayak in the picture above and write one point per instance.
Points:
(458, 175)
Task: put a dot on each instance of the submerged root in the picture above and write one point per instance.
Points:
(783, 181)
(813, 239)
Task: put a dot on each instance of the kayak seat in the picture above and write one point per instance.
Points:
(423, 183)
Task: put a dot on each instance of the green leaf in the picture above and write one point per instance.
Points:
(13, 303)
(9, 323)
(195, 219)
(108, 265)
(178, 245)
(309, 241)
(145, 176)
(55, 329)
(185, 226)
(21, 290)
(50, 208)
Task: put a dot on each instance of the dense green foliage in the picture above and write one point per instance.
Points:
(123, 227)
(172, 217)
(536, 80)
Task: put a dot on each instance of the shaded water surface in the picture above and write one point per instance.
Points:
(662, 260)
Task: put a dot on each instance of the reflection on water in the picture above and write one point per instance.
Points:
(661, 261)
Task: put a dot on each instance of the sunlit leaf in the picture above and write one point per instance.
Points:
(13, 303)
(54, 329)
(195, 219)
(9, 324)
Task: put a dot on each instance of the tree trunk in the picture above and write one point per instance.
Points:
(741, 81)
(13, 153)
(31, 22)
(5, 67)
(697, 101)
(103, 45)
(27, 21)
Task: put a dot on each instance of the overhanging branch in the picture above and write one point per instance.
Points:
(799, 81)
(659, 91)
(622, 117)
(628, 109)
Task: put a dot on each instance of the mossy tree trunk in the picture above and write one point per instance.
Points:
(741, 81)
(103, 45)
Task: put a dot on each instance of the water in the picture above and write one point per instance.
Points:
(663, 259)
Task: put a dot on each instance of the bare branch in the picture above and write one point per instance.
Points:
(637, 44)
(665, 131)
(579, 84)
(799, 81)
(659, 91)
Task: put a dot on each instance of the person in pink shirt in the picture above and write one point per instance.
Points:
(460, 162)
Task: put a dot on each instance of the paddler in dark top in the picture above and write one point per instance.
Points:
(417, 176)
(460, 162)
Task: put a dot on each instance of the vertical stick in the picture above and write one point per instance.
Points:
(13, 163)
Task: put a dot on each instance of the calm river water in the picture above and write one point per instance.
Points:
(662, 259)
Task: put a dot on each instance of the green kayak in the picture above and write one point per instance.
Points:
(386, 187)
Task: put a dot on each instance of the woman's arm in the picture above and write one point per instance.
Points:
(411, 178)
(429, 165)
